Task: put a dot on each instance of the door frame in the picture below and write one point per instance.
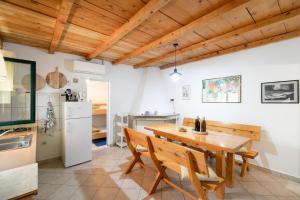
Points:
(109, 138)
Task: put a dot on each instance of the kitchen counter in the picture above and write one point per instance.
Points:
(19, 157)
(18, 168)
(136, 120)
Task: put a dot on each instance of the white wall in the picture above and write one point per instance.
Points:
(97, 91)
(280, 144)
(123, 79)
(152, 93)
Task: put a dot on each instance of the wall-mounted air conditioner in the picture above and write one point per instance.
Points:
(88, 68)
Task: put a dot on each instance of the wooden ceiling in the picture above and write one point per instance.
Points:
(141, 32)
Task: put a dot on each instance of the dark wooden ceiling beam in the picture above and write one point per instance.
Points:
(143, 14)
(254, 44)
(198, 23)
(273, 20)
(61, 20)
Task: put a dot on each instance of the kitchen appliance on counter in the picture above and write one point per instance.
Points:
(77, 133)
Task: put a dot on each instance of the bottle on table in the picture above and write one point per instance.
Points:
(197, 124)
(203, 125)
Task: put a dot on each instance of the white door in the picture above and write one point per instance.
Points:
(78, 141)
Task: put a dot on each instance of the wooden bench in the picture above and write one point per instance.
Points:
(250, 131)
(137, 144)
(190, 164)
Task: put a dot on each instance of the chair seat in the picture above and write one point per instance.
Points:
(247, 153)
(140, 148)
(213, 177)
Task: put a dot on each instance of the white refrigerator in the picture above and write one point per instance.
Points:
(77, 133)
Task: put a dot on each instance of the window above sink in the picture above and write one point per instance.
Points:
(17, 92)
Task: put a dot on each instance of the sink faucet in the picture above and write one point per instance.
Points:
(5, 132)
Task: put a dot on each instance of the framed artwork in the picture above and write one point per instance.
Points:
(222, 90)
(280, 92)
(186, 92)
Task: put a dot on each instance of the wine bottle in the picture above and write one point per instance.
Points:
(197, 124)
(203, 125)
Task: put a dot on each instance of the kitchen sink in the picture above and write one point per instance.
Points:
(17, 142)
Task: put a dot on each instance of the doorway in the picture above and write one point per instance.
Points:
(98, 95)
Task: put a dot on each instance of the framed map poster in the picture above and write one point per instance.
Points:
(222, 90)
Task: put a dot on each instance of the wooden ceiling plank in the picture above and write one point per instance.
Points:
(50, 10)
(147, 11)
(202, 21)
(61, 20)
(238, 48)
(273, 20)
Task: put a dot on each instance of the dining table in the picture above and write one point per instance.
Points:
(222, 144)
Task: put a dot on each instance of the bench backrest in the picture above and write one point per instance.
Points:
(173, 155)
(188, 122)
(135, 138)
(250, 131)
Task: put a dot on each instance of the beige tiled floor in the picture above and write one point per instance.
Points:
(103, 179)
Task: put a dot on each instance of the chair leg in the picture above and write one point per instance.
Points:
(248, 167)
(158, 177)
(135, 160)
(244, 167)
(220, 192)
(141, 163)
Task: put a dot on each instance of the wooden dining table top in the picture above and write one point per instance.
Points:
(211, 141)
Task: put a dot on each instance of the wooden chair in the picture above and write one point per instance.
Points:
(137, 144)
(250, 131)
(189, 163)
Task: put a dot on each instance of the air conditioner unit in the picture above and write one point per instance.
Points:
(88, 68)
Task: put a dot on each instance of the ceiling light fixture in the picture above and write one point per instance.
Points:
(175, 75)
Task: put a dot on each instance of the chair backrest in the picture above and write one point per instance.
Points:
(250, 131)
(173, 155)
(188, 122)
(135, 138)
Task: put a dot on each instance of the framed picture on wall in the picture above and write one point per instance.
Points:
(222, 90)
(186, 92)
(280, 92)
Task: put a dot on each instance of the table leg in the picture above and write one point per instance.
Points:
(220, 170)
(230, 170)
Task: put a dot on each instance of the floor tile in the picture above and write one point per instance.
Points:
(84, 193)
(106, 194)
(240, 196)
(63, 193)
(255, 188)
(278, 189)
(113, 181)
(260, 197)
(94, 180)
(77, 179)
(128, 194)
(53, 177)
(46, 190)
